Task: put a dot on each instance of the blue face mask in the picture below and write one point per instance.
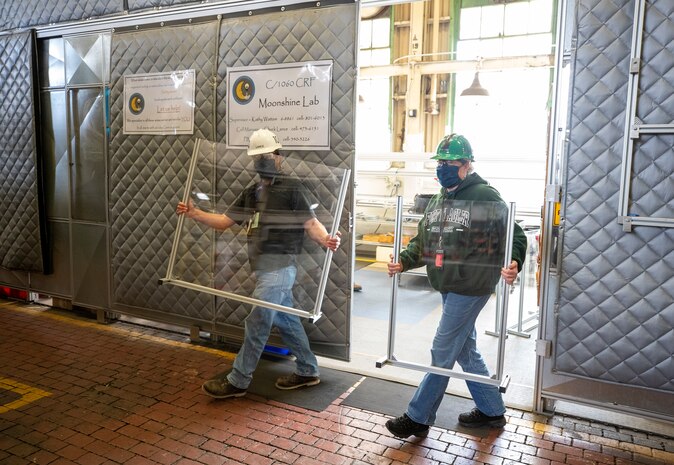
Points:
(448, 175)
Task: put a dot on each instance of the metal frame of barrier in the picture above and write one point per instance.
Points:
(499, 379)
(314, 313)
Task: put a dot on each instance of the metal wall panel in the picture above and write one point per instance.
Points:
(87, 59)
(58, 283)
(51, 62)
(616, 305)
(88, 173)
(55, 154)
(90, 265)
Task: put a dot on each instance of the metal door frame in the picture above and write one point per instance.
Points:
(545, 400)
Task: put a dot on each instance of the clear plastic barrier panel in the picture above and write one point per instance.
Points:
(273, 203)
(463, 245)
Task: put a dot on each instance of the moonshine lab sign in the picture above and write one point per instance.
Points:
(159, 103)
(292, 100)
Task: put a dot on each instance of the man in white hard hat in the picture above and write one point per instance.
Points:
(276, 214)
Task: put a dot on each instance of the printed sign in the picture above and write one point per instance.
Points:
(159, 103)
(293, 100)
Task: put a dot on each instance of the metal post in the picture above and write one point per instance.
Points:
(397, 243)
(505, 292)
(328, 256)
(497, 313)
(518, 328)
(181, 218)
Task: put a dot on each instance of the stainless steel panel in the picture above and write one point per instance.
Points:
(90, 265)
(87, 59)
(55, 155)
(15, 279)
(57, 283)
(87, 146)
(52, 63)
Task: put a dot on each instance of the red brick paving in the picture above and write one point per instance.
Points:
(112, 394)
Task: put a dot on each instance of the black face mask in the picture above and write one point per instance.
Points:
(266, 167)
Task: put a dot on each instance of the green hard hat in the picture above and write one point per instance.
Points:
(454, 147)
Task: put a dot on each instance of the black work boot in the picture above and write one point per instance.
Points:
(477, 419)
(404, 426)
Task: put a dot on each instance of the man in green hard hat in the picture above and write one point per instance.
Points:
(450, 243)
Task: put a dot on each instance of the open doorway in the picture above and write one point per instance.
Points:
(416, 60)
(419, 309)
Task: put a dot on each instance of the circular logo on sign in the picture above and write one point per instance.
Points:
(243, 90)
(136, 104)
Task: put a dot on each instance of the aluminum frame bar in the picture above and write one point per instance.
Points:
(240, 298)
(555, 165)
(634, 128)
(181, 218)
(175, 14)
(630, 110)
(334, 228)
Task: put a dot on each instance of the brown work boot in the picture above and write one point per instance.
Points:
(295, 381)
(221, 388)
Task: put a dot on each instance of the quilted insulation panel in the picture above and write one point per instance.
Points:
(616, 307)
(302, 35)
(148, 172)
(22, 219)
(26, 13)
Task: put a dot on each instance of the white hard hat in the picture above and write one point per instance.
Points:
(263, 141)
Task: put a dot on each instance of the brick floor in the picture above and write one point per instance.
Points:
(73, 391)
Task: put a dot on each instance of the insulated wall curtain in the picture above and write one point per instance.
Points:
(22, 217)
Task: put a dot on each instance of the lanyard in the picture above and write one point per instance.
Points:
(440, 252)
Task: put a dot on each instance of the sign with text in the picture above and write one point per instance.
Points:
(292, 100)
(159, 103)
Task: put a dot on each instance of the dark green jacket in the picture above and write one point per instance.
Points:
(464, 231)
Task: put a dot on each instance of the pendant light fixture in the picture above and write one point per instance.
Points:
(475, 88)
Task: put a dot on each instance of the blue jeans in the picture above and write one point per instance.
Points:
(455, 341)
(275, 286)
